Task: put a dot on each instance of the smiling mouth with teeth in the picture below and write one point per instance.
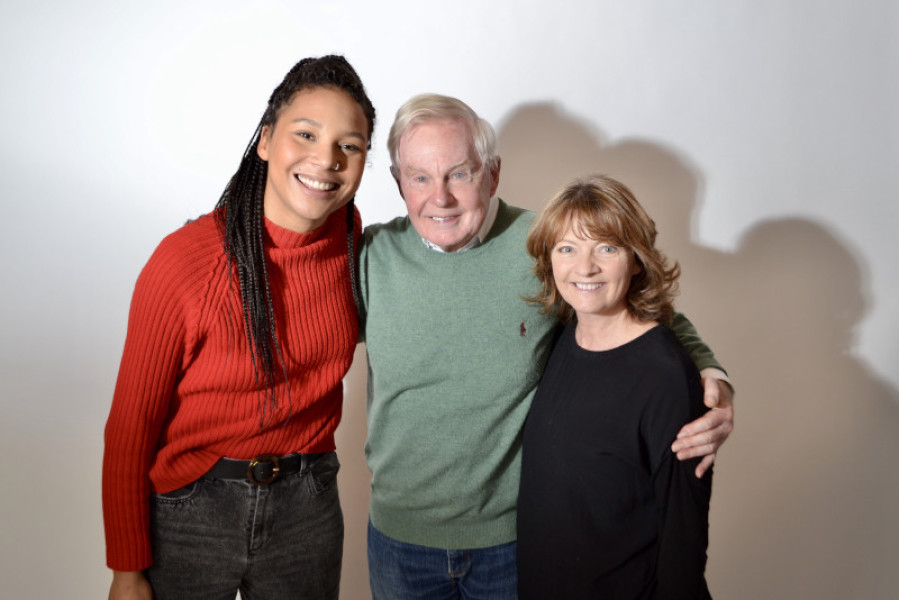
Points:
(322, 186)
(588, 287)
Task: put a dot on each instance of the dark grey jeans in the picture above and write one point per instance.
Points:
(283, 540)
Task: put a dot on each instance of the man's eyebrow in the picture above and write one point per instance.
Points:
(465, 163)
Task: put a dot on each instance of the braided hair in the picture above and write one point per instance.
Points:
(239, 214)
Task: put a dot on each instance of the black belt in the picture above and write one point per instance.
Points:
(262, 470)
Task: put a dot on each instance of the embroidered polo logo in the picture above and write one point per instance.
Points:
(522, 330)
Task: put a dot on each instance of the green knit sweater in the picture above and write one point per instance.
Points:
(454, 357)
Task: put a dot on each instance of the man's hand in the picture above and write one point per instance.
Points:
(130, 585)
(705, 435)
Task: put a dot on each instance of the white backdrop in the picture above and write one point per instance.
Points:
(763, 136)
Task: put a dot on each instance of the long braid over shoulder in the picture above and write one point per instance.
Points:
(241, 222)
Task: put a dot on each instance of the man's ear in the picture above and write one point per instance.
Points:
(494, 176)
(396, 178)
(265, 137)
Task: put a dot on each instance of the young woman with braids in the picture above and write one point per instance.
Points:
(219, 466)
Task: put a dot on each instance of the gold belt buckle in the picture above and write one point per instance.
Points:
(265, 458)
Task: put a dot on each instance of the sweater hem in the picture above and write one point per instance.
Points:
(449, 535)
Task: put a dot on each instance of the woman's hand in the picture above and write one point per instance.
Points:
(130, 585)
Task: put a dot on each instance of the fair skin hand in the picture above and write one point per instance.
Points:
(704, 436)
(130, 585)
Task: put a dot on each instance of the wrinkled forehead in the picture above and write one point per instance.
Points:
(437, 141)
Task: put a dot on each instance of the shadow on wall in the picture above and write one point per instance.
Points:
(354, 481)
(806, 499)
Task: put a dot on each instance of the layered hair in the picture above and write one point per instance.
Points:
(434, 107)
(239, 212)
(601, 208)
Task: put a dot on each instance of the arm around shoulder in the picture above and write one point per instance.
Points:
(699, 351)
(704, 436)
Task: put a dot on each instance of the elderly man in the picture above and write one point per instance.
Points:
(454, 357)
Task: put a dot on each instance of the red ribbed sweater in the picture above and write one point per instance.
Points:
(186, 393)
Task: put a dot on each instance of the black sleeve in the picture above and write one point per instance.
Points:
(682, 500)
(683, 530)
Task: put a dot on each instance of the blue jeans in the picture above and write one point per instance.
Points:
(217, 536)
(400, 571)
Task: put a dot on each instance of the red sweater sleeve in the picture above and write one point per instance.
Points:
(154, 348)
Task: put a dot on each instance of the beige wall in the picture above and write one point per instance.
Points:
(762, 136)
